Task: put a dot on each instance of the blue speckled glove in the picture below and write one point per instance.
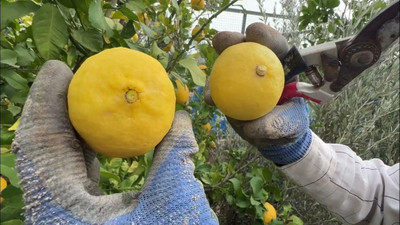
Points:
(59, 175)
(282, 136)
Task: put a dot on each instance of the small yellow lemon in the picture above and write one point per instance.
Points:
(181, 93)
(3, 184)
(168, 47)
(135, 37)
(270, 213)
(143, 18)
(199, 37)
(202, 67)
(206, 127)
(246, 81)
(121, 102)
(164, 2)
(213, 145)
(197, 4)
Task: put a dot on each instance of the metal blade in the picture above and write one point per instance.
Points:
(364, 50)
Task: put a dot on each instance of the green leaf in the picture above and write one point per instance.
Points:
(253, 201)
(8, 160)
(129, 182)
(12, 222)
(133, 167)
(129, 30)
(14, 109)
(8, 57)
(159, 54)
(115, 163)
(20, 96)
(147, 30)
(97, 19)
(49, 31)
(198, 76)
(136, 6)
(11, 174)
(10, 213)
(236, 183)
(4, 151)
(242, 203)
(108, 175)
(174, 4)
(71, 56)
(129, 14)
(14, 10)
(6, 136)
(261, 195)
(25, 56)
(332, 3)
(66, 3)
(230, 199)
(256, 184)
(295, 220)
(14, 79)
(90, 39)
(13, 196)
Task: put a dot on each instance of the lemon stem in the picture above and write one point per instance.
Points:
(131, 96)
(261, 70)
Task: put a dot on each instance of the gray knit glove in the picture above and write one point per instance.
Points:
(59, 175)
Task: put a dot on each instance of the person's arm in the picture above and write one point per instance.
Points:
(357, 191)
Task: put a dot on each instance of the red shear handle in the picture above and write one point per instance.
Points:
(292, 90)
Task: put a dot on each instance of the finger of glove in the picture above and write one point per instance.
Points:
(93, 170)
(225, 39)
(284, 123)
(171, 194)
(50, 160)
(207, 93)
(267, 36)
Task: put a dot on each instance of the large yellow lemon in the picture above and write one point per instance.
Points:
(270, 213)
(121, 102)
(246, 81)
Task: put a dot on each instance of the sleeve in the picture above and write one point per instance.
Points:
(357, 191)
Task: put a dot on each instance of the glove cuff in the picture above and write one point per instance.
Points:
(285, 154)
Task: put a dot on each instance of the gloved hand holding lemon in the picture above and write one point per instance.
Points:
(246, 84)
(122, 104)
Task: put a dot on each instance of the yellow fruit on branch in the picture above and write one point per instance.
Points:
(168, 47)
(197, 4)
(206, 127)
(121, 102)
(200, 36)
(135, 37)
(3, 185)
(213, 145)
(143, 18)
(202, 67)
(246, 81)
(181, 92)
(270, 213)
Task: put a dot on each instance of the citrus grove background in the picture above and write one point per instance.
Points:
(236, 178)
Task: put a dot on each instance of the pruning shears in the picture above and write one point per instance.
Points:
(340, 61)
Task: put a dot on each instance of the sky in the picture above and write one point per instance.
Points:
(229, 21)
